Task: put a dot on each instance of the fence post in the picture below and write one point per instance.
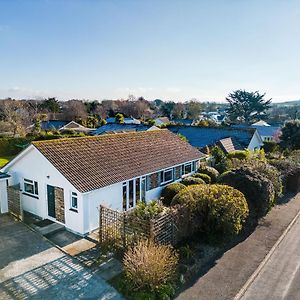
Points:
(151, 228)
(100, 225)
(124, 230)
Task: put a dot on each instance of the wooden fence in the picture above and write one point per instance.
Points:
(122, 229)
(14, 201)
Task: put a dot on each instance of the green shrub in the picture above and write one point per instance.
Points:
(192, 180)
(148, 211)
(264, 169)
(170, 191)
(206, 178)
(290, 173)
(239, 154)
(149, 266)
(258, 190)
(210, 171)
(220, 210)
(271, 147)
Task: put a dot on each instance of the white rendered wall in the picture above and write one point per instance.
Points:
(34, 166)
(255, 143)
(3, 196)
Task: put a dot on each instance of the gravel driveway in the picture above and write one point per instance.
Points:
(31, 268)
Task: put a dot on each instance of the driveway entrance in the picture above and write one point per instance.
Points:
(31, 268)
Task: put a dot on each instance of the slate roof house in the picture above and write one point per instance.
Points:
(230, 138)
(119, 128)
(66, 180)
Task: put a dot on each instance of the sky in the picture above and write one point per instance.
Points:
(167, 49)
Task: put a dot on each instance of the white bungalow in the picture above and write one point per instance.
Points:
(66, 180)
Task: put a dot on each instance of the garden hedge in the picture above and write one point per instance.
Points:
(170, 191)
(192, 180)
(206, 178)
(210, 171)
(258, 190)
(220, 210)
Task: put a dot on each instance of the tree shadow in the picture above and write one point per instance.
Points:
(62, 278)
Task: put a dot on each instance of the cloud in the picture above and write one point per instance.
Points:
(135, 91)
(22, 92)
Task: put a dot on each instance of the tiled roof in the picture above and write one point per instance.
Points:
(107, 128)
(207, 136)
(53, 124)
(229, 145)
(91, 163)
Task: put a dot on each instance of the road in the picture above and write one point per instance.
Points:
(280, 276)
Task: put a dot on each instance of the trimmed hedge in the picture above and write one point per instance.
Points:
(290, 174)
(206, 178)
(258, 190)
(210, 171)
(239, 154)
(190, 180)
(219, 209)
(170, 191)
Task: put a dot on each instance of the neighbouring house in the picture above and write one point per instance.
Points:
(130, 120)
(65, 180)
(200, 137)
(3, 192)
(186, 122)
(266, 131)
(119, 128)
(161, 121)
(77, 127)
(53, 124)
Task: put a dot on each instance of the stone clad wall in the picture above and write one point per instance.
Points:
(59, 204)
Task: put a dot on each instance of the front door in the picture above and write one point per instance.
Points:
(51, 201)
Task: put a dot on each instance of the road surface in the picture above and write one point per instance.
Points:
(280, 277)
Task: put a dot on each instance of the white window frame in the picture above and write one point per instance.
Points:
(74, 195)
(35, 187)
(163, 181)
(186, 164)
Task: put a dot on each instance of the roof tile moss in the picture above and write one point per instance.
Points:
(91, 163)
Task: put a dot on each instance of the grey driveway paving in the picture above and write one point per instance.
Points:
(31, 268)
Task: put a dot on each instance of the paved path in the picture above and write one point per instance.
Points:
(31, 268)
(225, 279)
(280, 276)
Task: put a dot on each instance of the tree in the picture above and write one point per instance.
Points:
(193, 109)
(247, 107)
(178, 111)
(51, 105)
(290, 137)
(74, 110)
(119, 118)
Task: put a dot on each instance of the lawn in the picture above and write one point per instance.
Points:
(5, 159)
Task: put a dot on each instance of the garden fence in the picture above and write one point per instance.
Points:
(122, 229)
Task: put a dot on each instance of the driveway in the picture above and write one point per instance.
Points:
(31, 268)
(280, 276)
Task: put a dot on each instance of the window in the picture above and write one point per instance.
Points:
(74, 201)
(193, 166)
(124, 196)
(131, 193)
(187, 168)
(137, 190)
(30, 187)
(167, 176)
(178, 172)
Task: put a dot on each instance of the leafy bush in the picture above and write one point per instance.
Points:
(170, 191)
(192, 180)
(290, 173)
(265, 169)
(211, 172)
(258, 190)
(270, 147)
(148, 211)
(206, 178)
(149, 266)
(239, 154)
(219, 209)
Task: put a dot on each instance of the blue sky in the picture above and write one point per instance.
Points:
(172, 50)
